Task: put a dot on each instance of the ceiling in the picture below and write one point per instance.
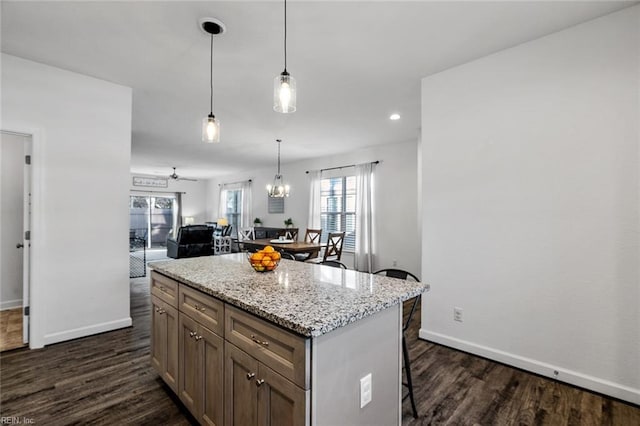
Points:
(355, 63)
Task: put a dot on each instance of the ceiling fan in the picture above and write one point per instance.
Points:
(174, 176)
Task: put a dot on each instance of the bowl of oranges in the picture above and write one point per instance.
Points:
(264, 260)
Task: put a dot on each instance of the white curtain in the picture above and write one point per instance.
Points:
(365, 242)
(222, 203)
(245, 216)
(177, 216)
(314, 199)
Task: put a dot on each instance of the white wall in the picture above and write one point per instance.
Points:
(12, 152)
(395, 198)
(531, 205)
(81, 130)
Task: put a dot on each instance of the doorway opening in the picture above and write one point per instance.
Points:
(15, 236)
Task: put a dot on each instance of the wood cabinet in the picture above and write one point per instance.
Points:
(257, 395)
(200, 384)
(164, 341)
(226, 365)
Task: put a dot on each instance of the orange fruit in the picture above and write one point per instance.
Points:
(257, 256)
(266, 261)
(268, 249)
(275, 255)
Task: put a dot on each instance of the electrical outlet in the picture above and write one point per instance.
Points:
(394, 263)
(457, 314)
(365, 390)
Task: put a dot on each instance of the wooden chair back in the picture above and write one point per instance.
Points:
(291, 234)
(334, 246)
(313, 236)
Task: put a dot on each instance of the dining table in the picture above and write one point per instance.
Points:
(290, 246)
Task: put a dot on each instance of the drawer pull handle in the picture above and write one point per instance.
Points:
(162, 288)
(259, 382)
(258, 341)
(192, 334)
(161, 311)
(198, 308)
(198, 338)
(251, 376)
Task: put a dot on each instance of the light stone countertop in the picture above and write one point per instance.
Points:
(307, 299)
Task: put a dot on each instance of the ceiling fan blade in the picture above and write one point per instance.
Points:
(189, 179)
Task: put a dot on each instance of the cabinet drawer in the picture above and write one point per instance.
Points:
(164, 288)
(280, 350)
(203, 308)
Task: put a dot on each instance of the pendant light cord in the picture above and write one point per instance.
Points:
(211, 77)
(279, 141)
(285, 35)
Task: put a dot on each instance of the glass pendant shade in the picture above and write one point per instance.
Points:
(210, 129)
(284, 93)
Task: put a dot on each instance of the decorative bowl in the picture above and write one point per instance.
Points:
(264, 261)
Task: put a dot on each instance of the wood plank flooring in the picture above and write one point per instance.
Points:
(11, 329)
(107, 380)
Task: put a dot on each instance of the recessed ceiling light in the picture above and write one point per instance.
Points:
(394, 117)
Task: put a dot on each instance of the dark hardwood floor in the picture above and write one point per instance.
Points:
(107, 380)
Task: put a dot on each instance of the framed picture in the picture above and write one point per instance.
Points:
(154, 182)
(276, 205)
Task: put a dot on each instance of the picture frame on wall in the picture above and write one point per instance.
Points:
(153, 182)
(275, 205)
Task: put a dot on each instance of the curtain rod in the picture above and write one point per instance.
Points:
(157, 192)
(343, 167)
(233, 183)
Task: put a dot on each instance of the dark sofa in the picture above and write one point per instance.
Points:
(192, 241)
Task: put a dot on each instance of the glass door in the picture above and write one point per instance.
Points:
(152, 218)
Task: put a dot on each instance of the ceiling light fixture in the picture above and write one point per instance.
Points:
(211, 125)
(394, 117)
(279, 189)
(284, 86)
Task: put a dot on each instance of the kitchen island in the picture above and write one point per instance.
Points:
(283, 347)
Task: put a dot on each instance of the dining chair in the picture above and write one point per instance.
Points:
(291, 234)
(404, 275)
(310, 236)
(333, 263)
(245, 234)
(335, 242)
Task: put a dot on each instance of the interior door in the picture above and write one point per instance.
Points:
(26, 235)
(14, 221)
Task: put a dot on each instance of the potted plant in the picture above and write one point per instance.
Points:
(288, 222)
(257, 221)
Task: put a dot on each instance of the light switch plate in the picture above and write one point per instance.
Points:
(365, 390)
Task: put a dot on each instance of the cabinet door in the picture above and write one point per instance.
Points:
(164, 341)
(211, 349)
(280, 402)
(190, 383)
(241, 392)
(158, 336)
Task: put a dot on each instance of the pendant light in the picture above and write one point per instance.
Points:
(210, 124)
(284, 86)
(279, 189)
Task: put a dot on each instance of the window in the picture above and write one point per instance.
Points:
(338, 208)
(233, 209)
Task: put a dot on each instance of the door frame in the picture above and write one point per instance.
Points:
(31, 280)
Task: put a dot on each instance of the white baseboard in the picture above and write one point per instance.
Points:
(10, 304)
(86, 331)
(596, 384)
